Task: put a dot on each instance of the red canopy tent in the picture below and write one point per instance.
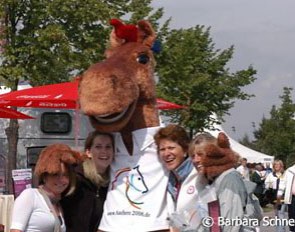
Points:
(12, 114)
(62, 95)
(166, 105)
(59, 96)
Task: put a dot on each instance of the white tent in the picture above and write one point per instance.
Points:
(252, 156)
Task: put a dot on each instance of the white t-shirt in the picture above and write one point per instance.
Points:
(136, 199)
(31, 213)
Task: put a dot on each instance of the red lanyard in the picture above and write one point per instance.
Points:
(214, 213)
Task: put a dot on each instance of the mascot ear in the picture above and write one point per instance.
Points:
(123, 33)
(115, 41)
(223, 141)
(146, 33)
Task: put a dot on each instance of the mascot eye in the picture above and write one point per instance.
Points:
(143, 59)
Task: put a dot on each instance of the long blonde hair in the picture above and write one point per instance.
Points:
(280, 162)
(90, 173)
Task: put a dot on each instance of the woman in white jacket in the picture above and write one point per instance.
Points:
(172, 142)
(287, 192)
(273, 179)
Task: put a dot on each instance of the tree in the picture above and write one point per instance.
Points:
(246, 141)
(50, 41)
(192, 73)
(276, 135)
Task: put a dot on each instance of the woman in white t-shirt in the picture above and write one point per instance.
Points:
(38, 209)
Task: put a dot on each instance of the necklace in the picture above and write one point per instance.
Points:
(97, 193)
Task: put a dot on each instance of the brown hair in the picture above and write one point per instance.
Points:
(92, 135)
(174, 133)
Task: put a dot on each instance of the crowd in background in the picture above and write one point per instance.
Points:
(265, 177)
(271, 185)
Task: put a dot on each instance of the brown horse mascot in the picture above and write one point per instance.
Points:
(118, 95)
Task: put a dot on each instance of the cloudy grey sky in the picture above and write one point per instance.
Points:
(263, 33)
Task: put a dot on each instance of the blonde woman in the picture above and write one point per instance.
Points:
(272, 183)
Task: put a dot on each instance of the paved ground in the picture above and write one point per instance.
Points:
(270, 214)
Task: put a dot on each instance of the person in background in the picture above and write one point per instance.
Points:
(38, 209)
(251, 167)
(83, 209)
(272, 181)
(217, 181)
(172, 143)
(258, 177)
(286, 193)
(268, 169)
(243, 169)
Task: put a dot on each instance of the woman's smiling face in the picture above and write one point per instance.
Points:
(102, 152)
(171, 153)
(57, 183)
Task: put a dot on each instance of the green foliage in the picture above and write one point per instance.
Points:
(276, 135)
(51, 41)
(194, 74)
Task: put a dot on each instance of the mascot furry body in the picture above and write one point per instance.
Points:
(118, 95)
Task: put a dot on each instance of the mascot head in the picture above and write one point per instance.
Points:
(212, 156)
(51, 160)
(119, 92)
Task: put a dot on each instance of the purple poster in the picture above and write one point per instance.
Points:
(22, 179)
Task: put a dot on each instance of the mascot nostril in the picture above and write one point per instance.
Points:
(118, 95)
(114, 81)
